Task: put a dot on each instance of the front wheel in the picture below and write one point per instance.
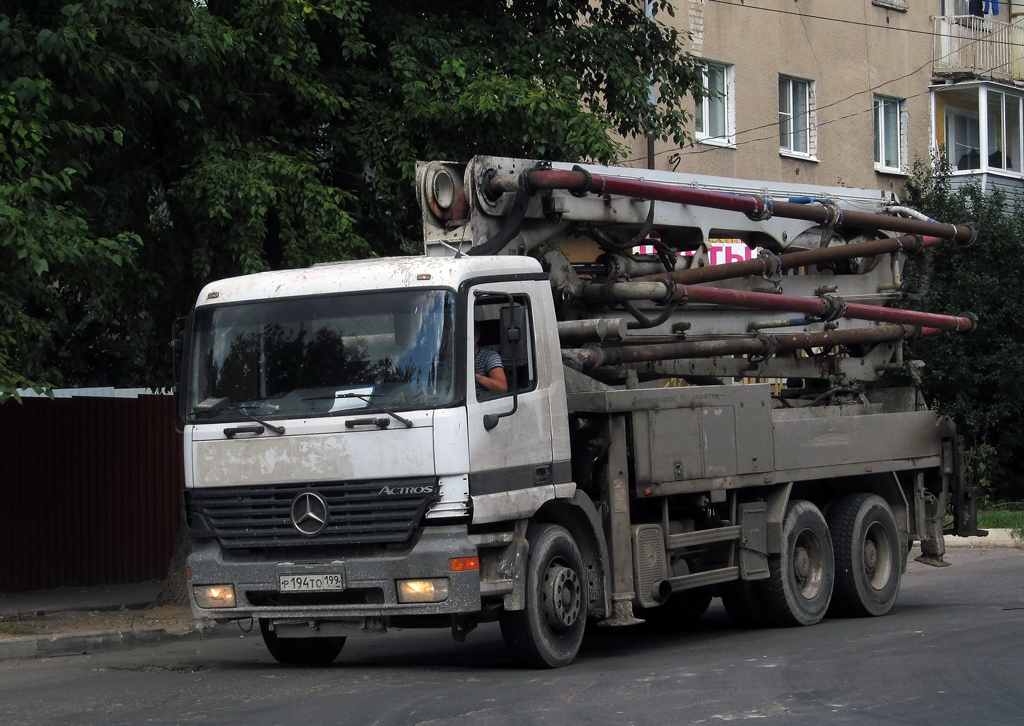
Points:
(799, 588)
(869, 562)
(548, 632)
(300, 651)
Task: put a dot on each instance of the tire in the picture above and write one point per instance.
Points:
(799, 589)
(680, 611)
(548, 632)
(868, 556)
(741, 604)
(300, 651)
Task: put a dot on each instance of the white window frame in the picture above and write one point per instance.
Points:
(703, 132)
(787, 114)
(952, 113)
(1009, 152)
(881, 103)
(979, 115)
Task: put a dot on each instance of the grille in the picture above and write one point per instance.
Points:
(358, 513)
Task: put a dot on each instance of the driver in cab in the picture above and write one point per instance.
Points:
(490, 375)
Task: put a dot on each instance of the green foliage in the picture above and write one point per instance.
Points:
(978, 378)
(150, 146)
(1007, 515)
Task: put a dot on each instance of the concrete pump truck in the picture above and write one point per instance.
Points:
(346, 473)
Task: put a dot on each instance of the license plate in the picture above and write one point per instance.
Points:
(311, 583)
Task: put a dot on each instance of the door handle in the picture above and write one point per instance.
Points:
(382, 422)
(232, 431)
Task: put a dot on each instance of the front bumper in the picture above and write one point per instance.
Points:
(370, 589)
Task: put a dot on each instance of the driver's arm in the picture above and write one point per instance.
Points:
(494, 381)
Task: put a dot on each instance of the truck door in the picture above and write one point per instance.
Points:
(512, 458)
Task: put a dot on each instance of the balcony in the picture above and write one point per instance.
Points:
(966, 46)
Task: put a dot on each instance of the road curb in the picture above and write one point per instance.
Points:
(63, 644)
(996, 538)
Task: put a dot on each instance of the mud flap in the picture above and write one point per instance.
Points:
(512, 566)
(754, 541)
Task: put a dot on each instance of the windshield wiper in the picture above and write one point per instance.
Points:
(368, 402)
(279, 430)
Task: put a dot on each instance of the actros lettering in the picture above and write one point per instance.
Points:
(388, 491)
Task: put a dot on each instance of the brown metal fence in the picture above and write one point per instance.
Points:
(88, 491)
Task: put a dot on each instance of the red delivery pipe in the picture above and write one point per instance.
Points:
(581, 181)
(771, 264)
(597, 356)
(825, 308)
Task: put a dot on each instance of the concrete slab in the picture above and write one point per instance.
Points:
(995, 538)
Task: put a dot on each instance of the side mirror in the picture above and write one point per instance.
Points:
(513, 323)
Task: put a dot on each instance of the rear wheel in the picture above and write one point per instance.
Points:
(799, 588)
(868, 556)
(300, 651)
(548, 632)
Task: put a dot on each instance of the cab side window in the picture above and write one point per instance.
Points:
(488, 324)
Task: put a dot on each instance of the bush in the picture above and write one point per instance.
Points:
(977, 378)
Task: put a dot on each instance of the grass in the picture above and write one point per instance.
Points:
(15, 629)
(1006, 515)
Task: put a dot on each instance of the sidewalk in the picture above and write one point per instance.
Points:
(97, 597)
(996, 538)
(95, 619)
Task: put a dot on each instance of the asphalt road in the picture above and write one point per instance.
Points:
(950, 652)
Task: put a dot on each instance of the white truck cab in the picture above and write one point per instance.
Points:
(331, 410)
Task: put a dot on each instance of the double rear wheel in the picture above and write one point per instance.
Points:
(868, 555)
(799, 588)
(849, 564)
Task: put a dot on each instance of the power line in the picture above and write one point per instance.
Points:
(876, 87)
(841, 21)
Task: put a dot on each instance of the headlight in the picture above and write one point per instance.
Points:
(423, 590)
(215, 596)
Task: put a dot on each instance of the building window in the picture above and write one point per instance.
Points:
(714, 114)
(796, 116)
(1003, 131)
(890, 134)
(963, 139)
(980, 128)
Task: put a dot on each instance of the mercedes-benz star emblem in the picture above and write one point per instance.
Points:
(309, 513)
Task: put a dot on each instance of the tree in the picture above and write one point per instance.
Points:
(150, 146)
(977, 378)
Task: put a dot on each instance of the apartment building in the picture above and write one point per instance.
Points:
(852, 92)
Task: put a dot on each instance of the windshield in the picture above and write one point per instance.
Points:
(323, 355)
